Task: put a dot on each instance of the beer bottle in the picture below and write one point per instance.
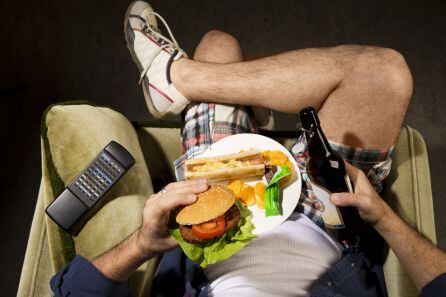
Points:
(327, 173)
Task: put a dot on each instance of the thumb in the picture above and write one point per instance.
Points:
(346, 199)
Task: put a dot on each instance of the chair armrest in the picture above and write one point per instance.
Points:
(408, 192)
(160, 147)
(36, 270)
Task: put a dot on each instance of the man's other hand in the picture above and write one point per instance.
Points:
(153, 236)
(371, 207)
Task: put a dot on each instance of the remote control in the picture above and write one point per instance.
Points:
(90, 186)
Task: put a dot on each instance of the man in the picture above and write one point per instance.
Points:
(361, 94)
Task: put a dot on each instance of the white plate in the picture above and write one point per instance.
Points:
(290, 194)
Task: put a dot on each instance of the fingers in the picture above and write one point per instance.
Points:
(186, 187)
(171, 242)
(347, 199)
(190, 186)
(352, 171)
(171, 201)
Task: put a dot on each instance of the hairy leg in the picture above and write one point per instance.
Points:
(361, 92)
(219, 47)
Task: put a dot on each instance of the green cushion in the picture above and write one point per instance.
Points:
(161, 147)
(73, 134)
(37, 269)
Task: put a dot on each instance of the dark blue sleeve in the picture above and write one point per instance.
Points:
(436, 288)
(81, 278)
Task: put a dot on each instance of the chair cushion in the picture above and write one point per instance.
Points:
(73, 134)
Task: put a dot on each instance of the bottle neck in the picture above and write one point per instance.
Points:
(319, 136)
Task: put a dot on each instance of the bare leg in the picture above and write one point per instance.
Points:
(219, 47)
(362, 93)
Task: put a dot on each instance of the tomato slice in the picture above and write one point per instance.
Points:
(210, 229)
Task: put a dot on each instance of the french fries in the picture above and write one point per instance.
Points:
(243, 192)
(247, 194)
(235, 186)
(260, 189)
(256, 195)
(278, 158)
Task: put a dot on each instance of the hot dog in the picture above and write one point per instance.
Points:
(225, 167)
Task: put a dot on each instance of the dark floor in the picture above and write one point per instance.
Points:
(55, 50)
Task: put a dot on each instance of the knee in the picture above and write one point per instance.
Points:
(220, 38)
(219, 47)
(389, 71)
(396, 73)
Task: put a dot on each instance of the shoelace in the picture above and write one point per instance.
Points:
(168, 43)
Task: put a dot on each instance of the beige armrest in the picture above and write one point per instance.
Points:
(408, 192)
(164, 144)
(36, 270)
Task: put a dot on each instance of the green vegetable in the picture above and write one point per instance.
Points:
(272, 203)
(223, 247)
(272, 195)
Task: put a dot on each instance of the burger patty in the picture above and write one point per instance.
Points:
(232, 216)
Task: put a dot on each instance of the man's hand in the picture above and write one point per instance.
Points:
(371, 207)
(154, 236)
(422, 260)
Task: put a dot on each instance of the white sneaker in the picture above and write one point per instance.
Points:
(153, 54)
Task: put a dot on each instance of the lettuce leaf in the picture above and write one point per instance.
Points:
(223, 247)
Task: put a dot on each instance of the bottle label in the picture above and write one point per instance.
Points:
(348, 182)
(330, 213)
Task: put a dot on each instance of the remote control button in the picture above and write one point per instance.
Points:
(95, 183)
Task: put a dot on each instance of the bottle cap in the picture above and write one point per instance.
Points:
(309, 118)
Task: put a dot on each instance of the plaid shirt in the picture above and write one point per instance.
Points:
(206, 123)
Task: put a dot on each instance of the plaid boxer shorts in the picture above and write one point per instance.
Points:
(206, 123)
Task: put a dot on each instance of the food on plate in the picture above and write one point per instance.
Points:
(247, 195)
(236, 187)
(243, 192)
(272, 196)
(213, 228)
(276, 157)
(270, 170)
(260, 189)
(225, 167)
(213, 214)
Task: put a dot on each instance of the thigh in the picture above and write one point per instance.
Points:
(367, 109)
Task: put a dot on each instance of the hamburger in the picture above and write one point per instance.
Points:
(212, 215)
